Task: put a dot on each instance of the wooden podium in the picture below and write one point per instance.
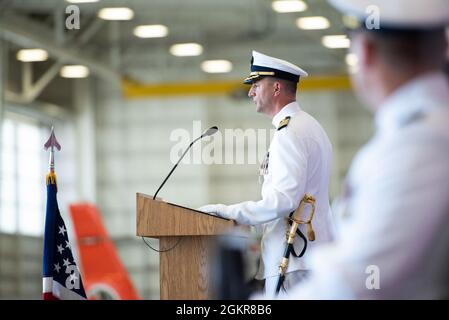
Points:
(184, 269)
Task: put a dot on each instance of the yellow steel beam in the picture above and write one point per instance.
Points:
(207, 88)
(339, 82)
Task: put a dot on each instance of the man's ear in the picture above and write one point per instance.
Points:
(368, 50)
(277, 88)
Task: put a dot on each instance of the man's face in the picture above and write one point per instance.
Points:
(261, 92)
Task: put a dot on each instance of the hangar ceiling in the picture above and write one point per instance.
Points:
(226, 30)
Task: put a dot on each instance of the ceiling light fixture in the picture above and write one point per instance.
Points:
(336, 41)
(74, 71)
(216, 66)
(186, 49)
(312, 23)
(283, 6)
(151, 31)
(32, 55)
(81, 1)
(116, 14)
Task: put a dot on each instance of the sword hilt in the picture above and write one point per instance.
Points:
(296, 217)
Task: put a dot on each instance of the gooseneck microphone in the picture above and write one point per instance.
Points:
(208, 132)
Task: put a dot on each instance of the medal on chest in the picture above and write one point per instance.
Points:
(263, 170)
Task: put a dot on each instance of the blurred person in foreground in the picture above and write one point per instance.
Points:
(395, 241)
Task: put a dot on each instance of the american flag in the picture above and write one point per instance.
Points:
(61, 277)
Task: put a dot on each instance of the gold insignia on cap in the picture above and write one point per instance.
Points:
(257, 74)
(250, 78)
(351, 21)
(262, 73)
(283, 123)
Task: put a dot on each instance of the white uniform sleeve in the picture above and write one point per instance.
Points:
(288, 163)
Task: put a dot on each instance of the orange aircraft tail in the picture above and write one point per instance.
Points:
(104, 276)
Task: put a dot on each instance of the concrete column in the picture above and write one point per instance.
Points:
(114, 38)
(85, 139)
(3, 79)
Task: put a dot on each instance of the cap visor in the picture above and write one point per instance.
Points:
(251, 79)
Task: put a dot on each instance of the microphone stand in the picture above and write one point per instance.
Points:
(176, 165)
(208, 132)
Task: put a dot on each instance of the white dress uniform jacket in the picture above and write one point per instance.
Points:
(300, 158)
(397, 205)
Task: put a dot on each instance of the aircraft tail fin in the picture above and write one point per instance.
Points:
(104, 275)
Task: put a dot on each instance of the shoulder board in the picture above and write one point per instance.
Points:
(283, 123)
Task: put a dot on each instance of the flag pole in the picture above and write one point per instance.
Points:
(50, 218)
(51, 144)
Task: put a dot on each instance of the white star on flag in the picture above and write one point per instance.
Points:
(60, 249)
(67, 245)
(57, 267)
(62, 230)
(66, 262)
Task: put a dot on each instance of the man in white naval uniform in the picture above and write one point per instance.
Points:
(298, 162)
(395, 242)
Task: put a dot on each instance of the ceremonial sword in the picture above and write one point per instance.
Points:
(295, 220)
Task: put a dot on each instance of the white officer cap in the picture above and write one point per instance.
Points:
(394, 14)
(263, 66)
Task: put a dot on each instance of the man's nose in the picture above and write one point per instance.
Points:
(251, 92)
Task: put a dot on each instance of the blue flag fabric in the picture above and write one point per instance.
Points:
(61, 277)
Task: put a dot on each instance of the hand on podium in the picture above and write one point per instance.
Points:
(214, 209)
